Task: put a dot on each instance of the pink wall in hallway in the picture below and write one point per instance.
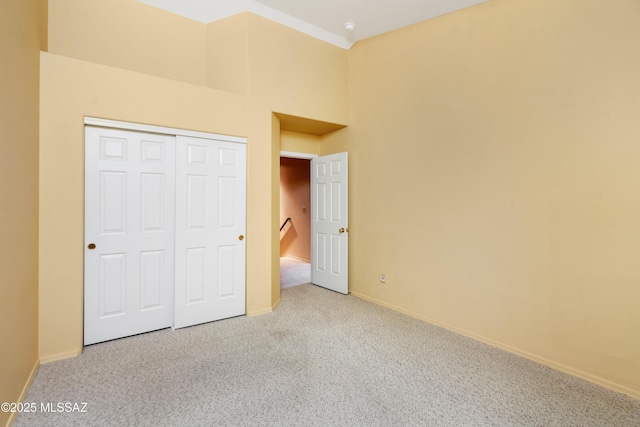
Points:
(294, 197)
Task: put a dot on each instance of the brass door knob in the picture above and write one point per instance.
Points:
(91, 246)
(341, 230)
(241, 237)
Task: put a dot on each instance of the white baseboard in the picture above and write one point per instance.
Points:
(60, 356)
(25, 389)
(297, 259)
(264, 311)
(555, 365)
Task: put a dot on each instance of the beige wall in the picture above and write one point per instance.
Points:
(287, 71)
(515, 124)
(228, 54)
(20, 41)
(300, 142)
(129, 34)
(68, 93)
(276, 133)
(295, 197)
(89, 72)
(494, 178)
(293, 73)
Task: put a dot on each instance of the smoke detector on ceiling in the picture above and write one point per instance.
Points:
(349, 28)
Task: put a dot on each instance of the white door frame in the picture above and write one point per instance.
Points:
(297, 155)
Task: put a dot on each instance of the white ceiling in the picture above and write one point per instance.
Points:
(323, 19)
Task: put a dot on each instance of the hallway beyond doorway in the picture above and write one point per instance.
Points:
(294, 272)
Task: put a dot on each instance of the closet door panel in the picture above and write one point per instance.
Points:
(210, 221)
(129, 233)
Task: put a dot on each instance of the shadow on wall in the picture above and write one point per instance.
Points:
(288, 238)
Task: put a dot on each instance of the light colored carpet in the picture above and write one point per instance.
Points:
(320, 359)
(294, 272)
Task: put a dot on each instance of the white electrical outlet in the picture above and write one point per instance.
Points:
(383, 278)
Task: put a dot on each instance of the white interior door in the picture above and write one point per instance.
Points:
(129, 233)
(210, 229)
(329, 222)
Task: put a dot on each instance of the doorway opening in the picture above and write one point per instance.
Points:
(295, 219)
(319, 219)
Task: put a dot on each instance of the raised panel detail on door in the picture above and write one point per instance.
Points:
(226, 211)
(112, 148)
(196, 154)
(112, 282)
(196, 193)
(152, 151)
(113, 190)
(211, 183)
(129, 204)
(151, 275)
(321, 201)
(321, 252)
(336, 199)
(195, 275)
(336, 255)
(152, 203)
(226, 262)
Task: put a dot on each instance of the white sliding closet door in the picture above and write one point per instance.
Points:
(210, 229)
(129, 233)
(164, 229)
